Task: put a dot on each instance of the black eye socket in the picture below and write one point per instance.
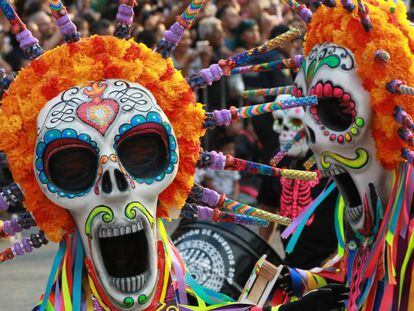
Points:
(280, 121)
(333, 114)
(143, 151)
(71, 165)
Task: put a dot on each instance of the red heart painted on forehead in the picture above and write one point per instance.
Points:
(99, 114)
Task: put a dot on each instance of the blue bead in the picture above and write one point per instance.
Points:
(173, 143)
(69, 133)
(39, 164)
(40, 148)
(61, 194)
(52, 135)
(42, 177)
(154, 117)
(51, 188)
(84, 137)
(138, 119)
(173, 157)
(124, 127)
(167, 127)
(169, 169)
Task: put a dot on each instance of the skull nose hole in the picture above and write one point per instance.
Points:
(285, 128)
(106, 183)
(121, 180)
(310, 135)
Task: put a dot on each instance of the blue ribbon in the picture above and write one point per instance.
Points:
(294, 239)
(56, 263)
(77, 278)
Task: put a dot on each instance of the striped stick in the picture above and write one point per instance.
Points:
(28, 43)
(244, 209)
(225, 117)
(66, 26)
(289, 63)
(283, 151)
(274, 91)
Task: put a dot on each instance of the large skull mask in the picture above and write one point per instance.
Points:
(287, 123)
(338, 128)
(105, 151)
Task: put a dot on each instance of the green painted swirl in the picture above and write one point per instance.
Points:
(107, 217)
(128, 302)
(131, 213)
(361, 159)
(142, 299)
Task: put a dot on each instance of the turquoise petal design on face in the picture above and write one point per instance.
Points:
(43, 178)
(84, 137)
(39, 164)
(137, 120)
(169, 169)
(124, 128)
(167, 127)
(173, 144)
(51, 136)
(40, 149)
(174, 157)
(69, 133)
(154, 117)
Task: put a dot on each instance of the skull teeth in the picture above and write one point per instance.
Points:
(353, 213)
(333, 172)
(120, 231)
(130, 284)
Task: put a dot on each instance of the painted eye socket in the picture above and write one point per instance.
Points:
(296, 122)
(143, 151)
(334, 114)
(71, 164)
(279, 121)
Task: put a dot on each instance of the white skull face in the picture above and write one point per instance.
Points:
(287, 123)
(105, 151)
(338, 128)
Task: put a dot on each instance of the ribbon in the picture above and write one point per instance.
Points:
(299, 223)
(77, 280)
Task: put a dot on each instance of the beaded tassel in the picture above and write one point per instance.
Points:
(218, 161)
(275, 91)
(382, 55)
(224, 67)
(24, 221)
(289, 63)
(10, 196)
(124, 19)
(283, 151)
(215, 200)
(204, 213)
(173, 35)
(66, 26)
(25, 246)
(28, 43)
(225, 117)
(403, 118)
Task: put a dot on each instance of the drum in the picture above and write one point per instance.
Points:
(221, 256)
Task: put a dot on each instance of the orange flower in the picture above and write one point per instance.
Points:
(73, 64)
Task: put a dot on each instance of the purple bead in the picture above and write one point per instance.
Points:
(29, 41)
(298, 60)
(393, 86)
(216, 71)
(18, 249)
(63, 20)
(3, 205)
(15, 225)
(27, 246)
(218, 161)
(7, 228)
(207, 76)
(223, 117)
(126, 10)
(210, 197)
(305, 14)
(174, 34)
(205, 213)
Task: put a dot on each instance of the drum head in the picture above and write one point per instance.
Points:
(221, 256)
